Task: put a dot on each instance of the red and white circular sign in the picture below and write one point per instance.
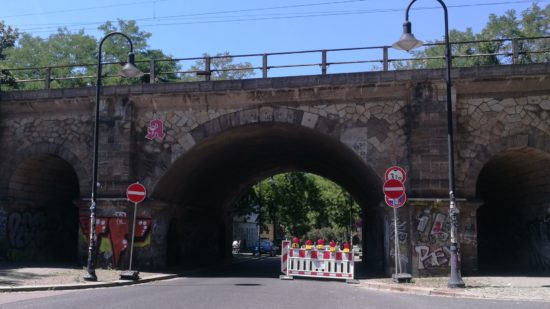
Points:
(398, 202)
(395, 172)
(136, 192)
(394, 189)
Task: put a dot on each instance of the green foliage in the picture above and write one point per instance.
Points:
(534, 22)
(116, 48)
(328, 234)
(298, 202)
(222, 68)
(8, 36)
(340, 208)
(248, 204)
(64, 49)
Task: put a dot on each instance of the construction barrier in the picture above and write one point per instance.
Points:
(316, 263)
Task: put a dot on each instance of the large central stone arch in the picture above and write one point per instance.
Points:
(225, 159)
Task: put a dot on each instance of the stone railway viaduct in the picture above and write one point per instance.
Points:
(223, 136)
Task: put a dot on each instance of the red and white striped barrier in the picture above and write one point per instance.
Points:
(284, 255)
(316, 263)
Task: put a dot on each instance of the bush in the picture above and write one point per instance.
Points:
(328, 234)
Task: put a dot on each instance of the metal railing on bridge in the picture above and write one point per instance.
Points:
(305, 62)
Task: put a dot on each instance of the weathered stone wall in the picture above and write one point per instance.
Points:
(384, 118)
(373, 130)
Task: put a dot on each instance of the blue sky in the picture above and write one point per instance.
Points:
(188, 28)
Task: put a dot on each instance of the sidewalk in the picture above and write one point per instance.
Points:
(18, 279)
(67, 278)
(502, 288)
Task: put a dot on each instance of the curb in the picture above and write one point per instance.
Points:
(438, 292)
(92, 285)
(79, 286)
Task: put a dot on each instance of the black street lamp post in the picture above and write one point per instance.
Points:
(408, 42)
(129, 70)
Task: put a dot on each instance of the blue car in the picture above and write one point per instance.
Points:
(266, 247)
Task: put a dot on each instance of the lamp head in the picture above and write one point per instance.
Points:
(129, 69)
(407, 40)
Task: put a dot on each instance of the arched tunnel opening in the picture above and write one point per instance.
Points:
(295, 204)
(514, 220)
(42, 221)
(203, 185)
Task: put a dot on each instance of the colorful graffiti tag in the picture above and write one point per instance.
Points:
(539, 243)
(431, 239)
(403, 237)
(432, 258)
(112, 235)
(23, 234)
(3, 224)
(27, 227)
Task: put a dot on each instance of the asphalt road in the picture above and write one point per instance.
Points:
(250, 284)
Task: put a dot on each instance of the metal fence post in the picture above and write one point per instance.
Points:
(264, 66)
(515, 51)
(207, 69)
(324, 62)
(152, 67)
(47, 78)
(385, 58)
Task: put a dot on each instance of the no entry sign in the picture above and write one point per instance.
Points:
(394, 189)
(136, 192)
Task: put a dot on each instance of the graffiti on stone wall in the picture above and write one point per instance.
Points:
(539, 243)
(3, 232)
(27, 228)
(113, 236)
(23, 234)
(401, 231)
(432, 235)
(3, 224)
(428, 257)
(155, 131)
(356, 139)
(469, 231)
(402, 237)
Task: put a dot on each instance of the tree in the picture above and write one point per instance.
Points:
(301, 202)
(247, 204)
(534, 22)
(341, 209)
(63, 48)
(71, 49)
(116, 50)
(223, 68)
(8, 36)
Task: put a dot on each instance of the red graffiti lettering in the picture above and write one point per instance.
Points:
(118, 228)
(117, 232)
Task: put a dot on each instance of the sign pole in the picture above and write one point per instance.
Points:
(133, 234)
(135, 193)
(397, 253)
(395, 196)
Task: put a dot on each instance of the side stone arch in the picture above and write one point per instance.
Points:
(28, 151)
(485, 153)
